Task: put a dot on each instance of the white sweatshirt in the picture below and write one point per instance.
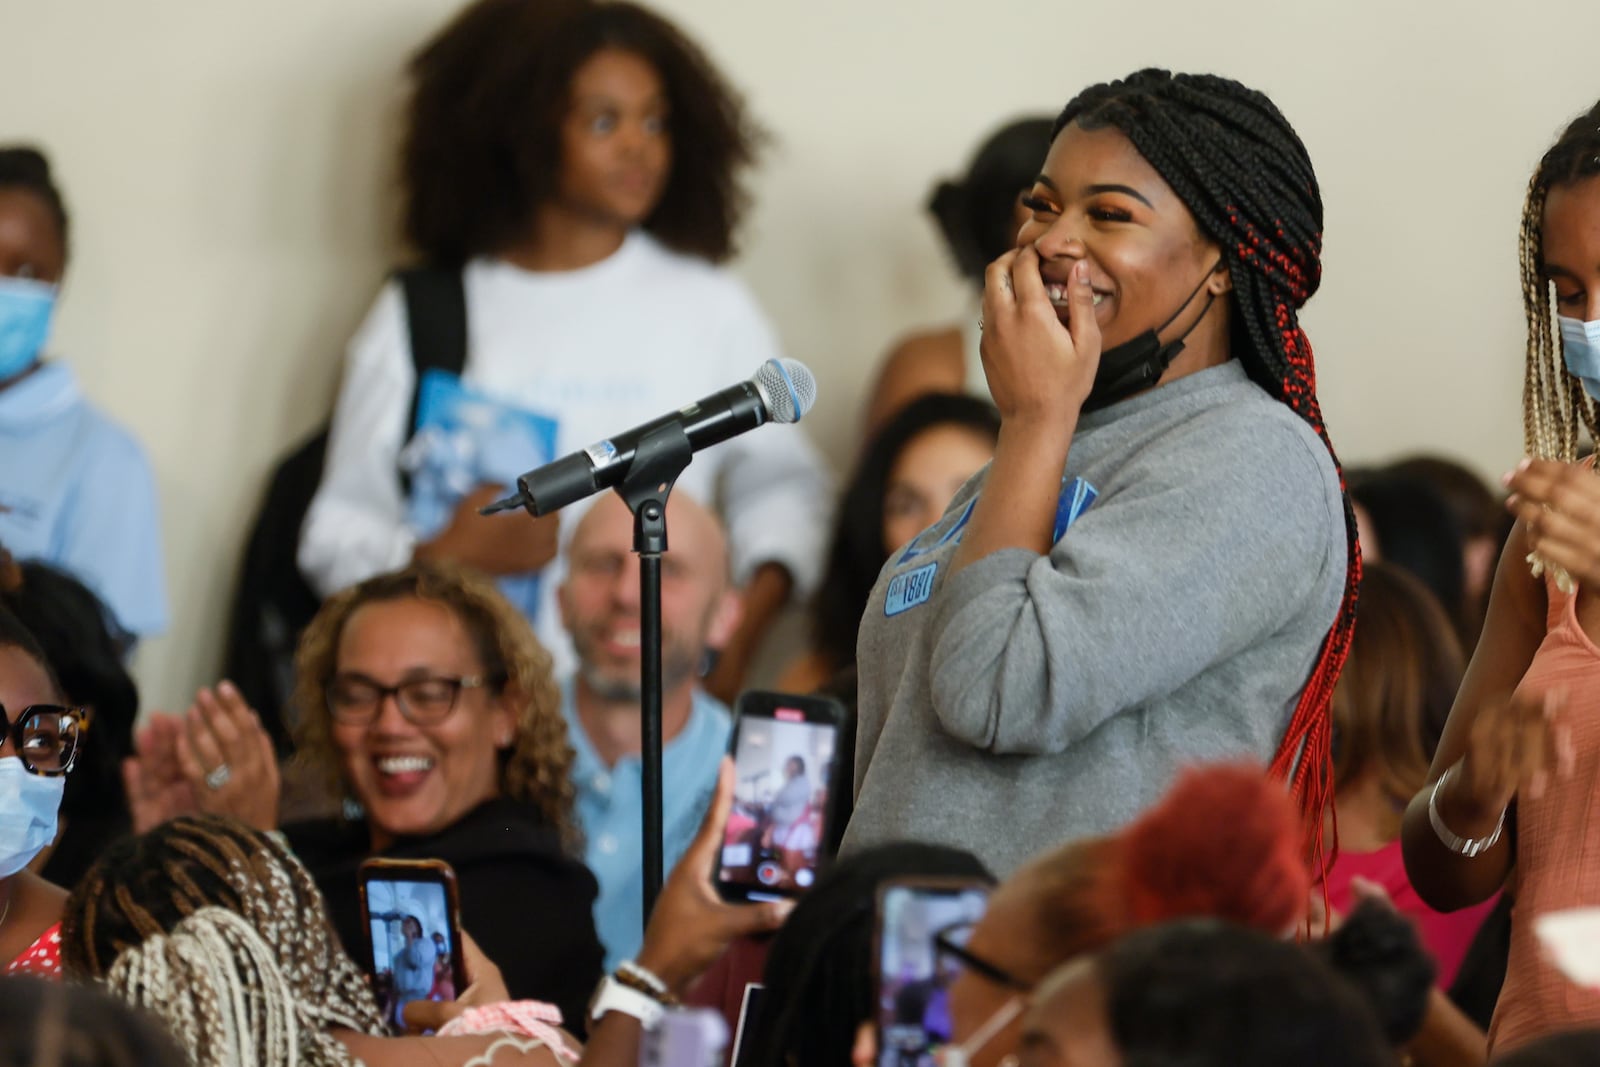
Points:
(598, 350)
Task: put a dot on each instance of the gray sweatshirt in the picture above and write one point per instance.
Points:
(1032, 700)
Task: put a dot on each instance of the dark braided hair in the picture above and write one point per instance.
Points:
(25, 167)
(219, 931)
(1236, 163)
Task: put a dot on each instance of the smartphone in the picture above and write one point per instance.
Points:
(787, 781)
(917, 920)
(412, 915)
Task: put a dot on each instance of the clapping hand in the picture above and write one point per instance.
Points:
(215, 758)
(1559, 505)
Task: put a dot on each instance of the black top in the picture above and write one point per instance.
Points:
(528, 904)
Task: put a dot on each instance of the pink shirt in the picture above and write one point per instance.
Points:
(1558, 840)
(1446, 935)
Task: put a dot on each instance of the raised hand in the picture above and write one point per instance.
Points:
(228, 758)
(1037, 368)
(157, 788)
(691, 925)
(1559, 505)
(1515, 746)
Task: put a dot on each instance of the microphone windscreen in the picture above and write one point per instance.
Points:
(788, 388)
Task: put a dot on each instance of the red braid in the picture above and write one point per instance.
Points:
(1305, 757)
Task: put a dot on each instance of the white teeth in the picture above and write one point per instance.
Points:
(626, 638)
(404, 764)
(1058, 295)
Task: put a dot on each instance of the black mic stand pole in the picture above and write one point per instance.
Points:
(660, 457)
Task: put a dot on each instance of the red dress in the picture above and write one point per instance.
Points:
(42, 959)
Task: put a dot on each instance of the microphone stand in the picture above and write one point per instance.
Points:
(660, 458)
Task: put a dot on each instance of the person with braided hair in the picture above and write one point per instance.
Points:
(1159, 566)
(216, 930)
(1512, 784)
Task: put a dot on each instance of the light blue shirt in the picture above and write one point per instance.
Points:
(610, 809)
(77, 492)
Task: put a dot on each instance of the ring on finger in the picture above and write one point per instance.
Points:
(219, 777)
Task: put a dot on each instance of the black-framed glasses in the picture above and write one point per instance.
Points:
(952, 941)
(354, 700)
(46, 737)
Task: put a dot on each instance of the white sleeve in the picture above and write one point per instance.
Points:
(356, 525)
(777, 493)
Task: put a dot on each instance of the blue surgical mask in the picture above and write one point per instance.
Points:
(26, 306)
(1580, 346)
(28, 807)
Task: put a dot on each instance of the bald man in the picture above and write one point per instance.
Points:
(700, 610)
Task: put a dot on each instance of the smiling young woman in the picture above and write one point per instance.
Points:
(1158, 567)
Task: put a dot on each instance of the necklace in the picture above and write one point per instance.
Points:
(6, 914)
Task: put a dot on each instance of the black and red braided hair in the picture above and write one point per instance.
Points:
(1236, 163)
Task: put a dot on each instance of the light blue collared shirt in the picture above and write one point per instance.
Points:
(610, 809)
(76, 491)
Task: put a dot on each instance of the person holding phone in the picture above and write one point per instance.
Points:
(216, 930)
(1159, 566)
(426, 701)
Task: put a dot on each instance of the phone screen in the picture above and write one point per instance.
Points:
(915, 972)
(781, 803)
(413, 943)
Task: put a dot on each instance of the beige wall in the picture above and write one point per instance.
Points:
(227, 165)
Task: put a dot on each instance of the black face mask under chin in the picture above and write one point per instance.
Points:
(1137, 364)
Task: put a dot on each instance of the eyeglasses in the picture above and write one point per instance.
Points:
(354, 700)
(45, 736)
(952, 941)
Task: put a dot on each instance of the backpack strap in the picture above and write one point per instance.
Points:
(436, 314)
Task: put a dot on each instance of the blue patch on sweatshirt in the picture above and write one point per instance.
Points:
(913, 550)
(908, 590)
(1076, 496)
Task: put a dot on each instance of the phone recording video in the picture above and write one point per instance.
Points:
(413, 933)
(921, 927)
(783, 754)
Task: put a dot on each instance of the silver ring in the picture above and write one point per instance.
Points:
(980, 323)
(219, 777)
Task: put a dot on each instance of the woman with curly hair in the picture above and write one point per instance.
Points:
(578, 163)
(424, 698)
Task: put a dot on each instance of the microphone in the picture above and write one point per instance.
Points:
(781, 390)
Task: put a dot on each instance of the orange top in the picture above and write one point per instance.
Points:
(1558, 840)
